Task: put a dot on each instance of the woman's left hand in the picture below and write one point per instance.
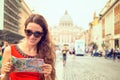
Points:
(46, 69)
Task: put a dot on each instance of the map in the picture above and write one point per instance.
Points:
(27, 64)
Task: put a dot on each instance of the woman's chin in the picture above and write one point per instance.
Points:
(32, 43)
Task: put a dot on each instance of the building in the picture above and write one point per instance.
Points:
(66, 32)
(105, 30)
(24, 14)
(10, 12)
(110, 18)
(94, 29)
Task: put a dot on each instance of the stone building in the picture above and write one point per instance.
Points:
(66, 32)
(11, 15)
(110, 21)
(106, 33)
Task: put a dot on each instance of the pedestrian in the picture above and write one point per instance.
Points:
(118, 55)
(0, 53)
(0, 56)
(5, 44)
(0, 50)
(114, 55)
(106, 53)
(64, 53)
(36, 44)
(73, 52)
(111, 52)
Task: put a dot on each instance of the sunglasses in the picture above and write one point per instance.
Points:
(36, 34)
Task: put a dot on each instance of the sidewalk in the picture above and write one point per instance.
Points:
(59, 71)
(87, 68)
(65, 72)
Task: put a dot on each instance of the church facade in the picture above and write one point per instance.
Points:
(66, 32)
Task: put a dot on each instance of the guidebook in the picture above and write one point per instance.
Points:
(27, 64)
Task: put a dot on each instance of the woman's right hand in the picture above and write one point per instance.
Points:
(7, 67)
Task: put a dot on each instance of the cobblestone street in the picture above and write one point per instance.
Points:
(88, 68)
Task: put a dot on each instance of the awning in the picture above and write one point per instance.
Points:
(10, 36)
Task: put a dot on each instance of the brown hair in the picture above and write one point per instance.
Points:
(45, 47)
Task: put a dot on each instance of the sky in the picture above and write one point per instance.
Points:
(81, 11)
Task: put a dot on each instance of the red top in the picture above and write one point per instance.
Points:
(22, 75)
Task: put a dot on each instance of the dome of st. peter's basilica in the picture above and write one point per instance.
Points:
(65, 32)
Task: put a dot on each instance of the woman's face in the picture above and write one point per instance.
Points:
(34, 33)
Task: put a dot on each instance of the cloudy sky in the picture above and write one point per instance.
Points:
(81, 11)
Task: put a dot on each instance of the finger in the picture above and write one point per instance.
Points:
(8, 64)
(46, 66)
(47, 69)
(8, 67)
(46, 72)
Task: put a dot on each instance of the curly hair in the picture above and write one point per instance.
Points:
(45, 47)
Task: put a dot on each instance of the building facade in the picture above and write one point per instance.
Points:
(66, 32)
(106, 33)
(24, 14)
(11, 18)
(111, 24)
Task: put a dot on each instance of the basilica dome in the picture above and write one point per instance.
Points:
(66, 19)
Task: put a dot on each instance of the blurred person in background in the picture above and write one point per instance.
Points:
(5, 44)
(0, 50)
(64, 54)
(73, 52)
(0, 54)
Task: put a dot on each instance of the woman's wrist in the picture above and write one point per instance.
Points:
(7, 74)
(48, 77)
(4, 76)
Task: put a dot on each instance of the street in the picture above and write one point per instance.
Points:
(87, 68)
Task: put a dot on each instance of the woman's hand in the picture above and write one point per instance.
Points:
(7, 67)
(46, 69)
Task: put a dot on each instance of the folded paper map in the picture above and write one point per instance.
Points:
(27, 64)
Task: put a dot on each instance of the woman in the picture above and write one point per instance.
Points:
(37, 44)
